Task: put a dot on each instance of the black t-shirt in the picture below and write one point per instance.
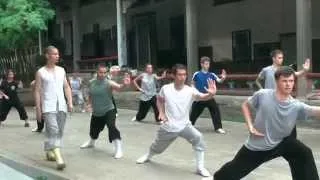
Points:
(10, 89)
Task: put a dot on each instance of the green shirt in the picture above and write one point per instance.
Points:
(100, 92)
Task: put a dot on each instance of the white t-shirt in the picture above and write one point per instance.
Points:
(177, 104)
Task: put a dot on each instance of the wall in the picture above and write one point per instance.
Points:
(266, 19)
(102, 13)
(164, 11)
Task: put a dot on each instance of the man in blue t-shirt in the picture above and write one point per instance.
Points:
(200, 82)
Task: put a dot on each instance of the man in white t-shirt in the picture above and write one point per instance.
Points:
(174, 103)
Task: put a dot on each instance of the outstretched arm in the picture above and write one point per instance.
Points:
(117, 86)
(163, 75)
(305, 69)
(223, 76)
(211, 91)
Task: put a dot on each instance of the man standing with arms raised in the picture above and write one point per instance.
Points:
(267, 73)
(51, 92)
(200, 82)
(174, 103)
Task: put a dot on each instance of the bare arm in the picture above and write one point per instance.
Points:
(300, 73)
(135, 82)
(68, 93)
(258, 82)
(160, 106)
(223, 76)
(212, 90)
(306, 67)
(163, 75)
(117, 86)
(37, 95)
(248, 118)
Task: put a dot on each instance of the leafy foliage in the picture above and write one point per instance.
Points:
(20, 20)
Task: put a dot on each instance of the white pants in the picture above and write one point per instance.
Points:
(165, 138)
(54, 129)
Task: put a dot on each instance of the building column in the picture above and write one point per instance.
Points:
(191, 15)
(304, 40)
(121, 34)
(40, 42)
(76, 34)
(62, 29)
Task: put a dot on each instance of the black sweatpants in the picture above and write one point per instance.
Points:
(144, 107)
(114, 104)
(298, 155)
(98, 122)
(6, 105)
(198, 107)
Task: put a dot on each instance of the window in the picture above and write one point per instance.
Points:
(241, 45)
(221, 2)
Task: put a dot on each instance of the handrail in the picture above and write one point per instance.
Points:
(109, 58)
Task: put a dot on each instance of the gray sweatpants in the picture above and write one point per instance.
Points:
(165, 138)
(54, 129)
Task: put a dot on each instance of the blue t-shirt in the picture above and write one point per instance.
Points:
(200, 79)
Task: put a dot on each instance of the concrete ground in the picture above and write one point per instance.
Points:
(177, 162)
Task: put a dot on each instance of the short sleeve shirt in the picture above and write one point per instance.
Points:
(275, 119)
(177, 106)
(267, 74)
(201, 80)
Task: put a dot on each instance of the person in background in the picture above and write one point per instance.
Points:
(10, 98)
(103, 110)
(76, 87)
(199, 81)
(148, 94)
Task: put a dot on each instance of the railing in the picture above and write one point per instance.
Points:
(244, 84)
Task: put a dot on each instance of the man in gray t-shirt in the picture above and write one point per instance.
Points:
(276, 115)
(267, 73)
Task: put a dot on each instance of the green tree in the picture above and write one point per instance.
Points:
(20, 20)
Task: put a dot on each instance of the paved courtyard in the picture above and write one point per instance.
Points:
(23, 146)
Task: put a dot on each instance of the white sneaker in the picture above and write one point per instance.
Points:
(118, 149)
(88, 144)
(220, 131)
(203, 172)
(143, 159)
(134, 118)
(117, 114)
